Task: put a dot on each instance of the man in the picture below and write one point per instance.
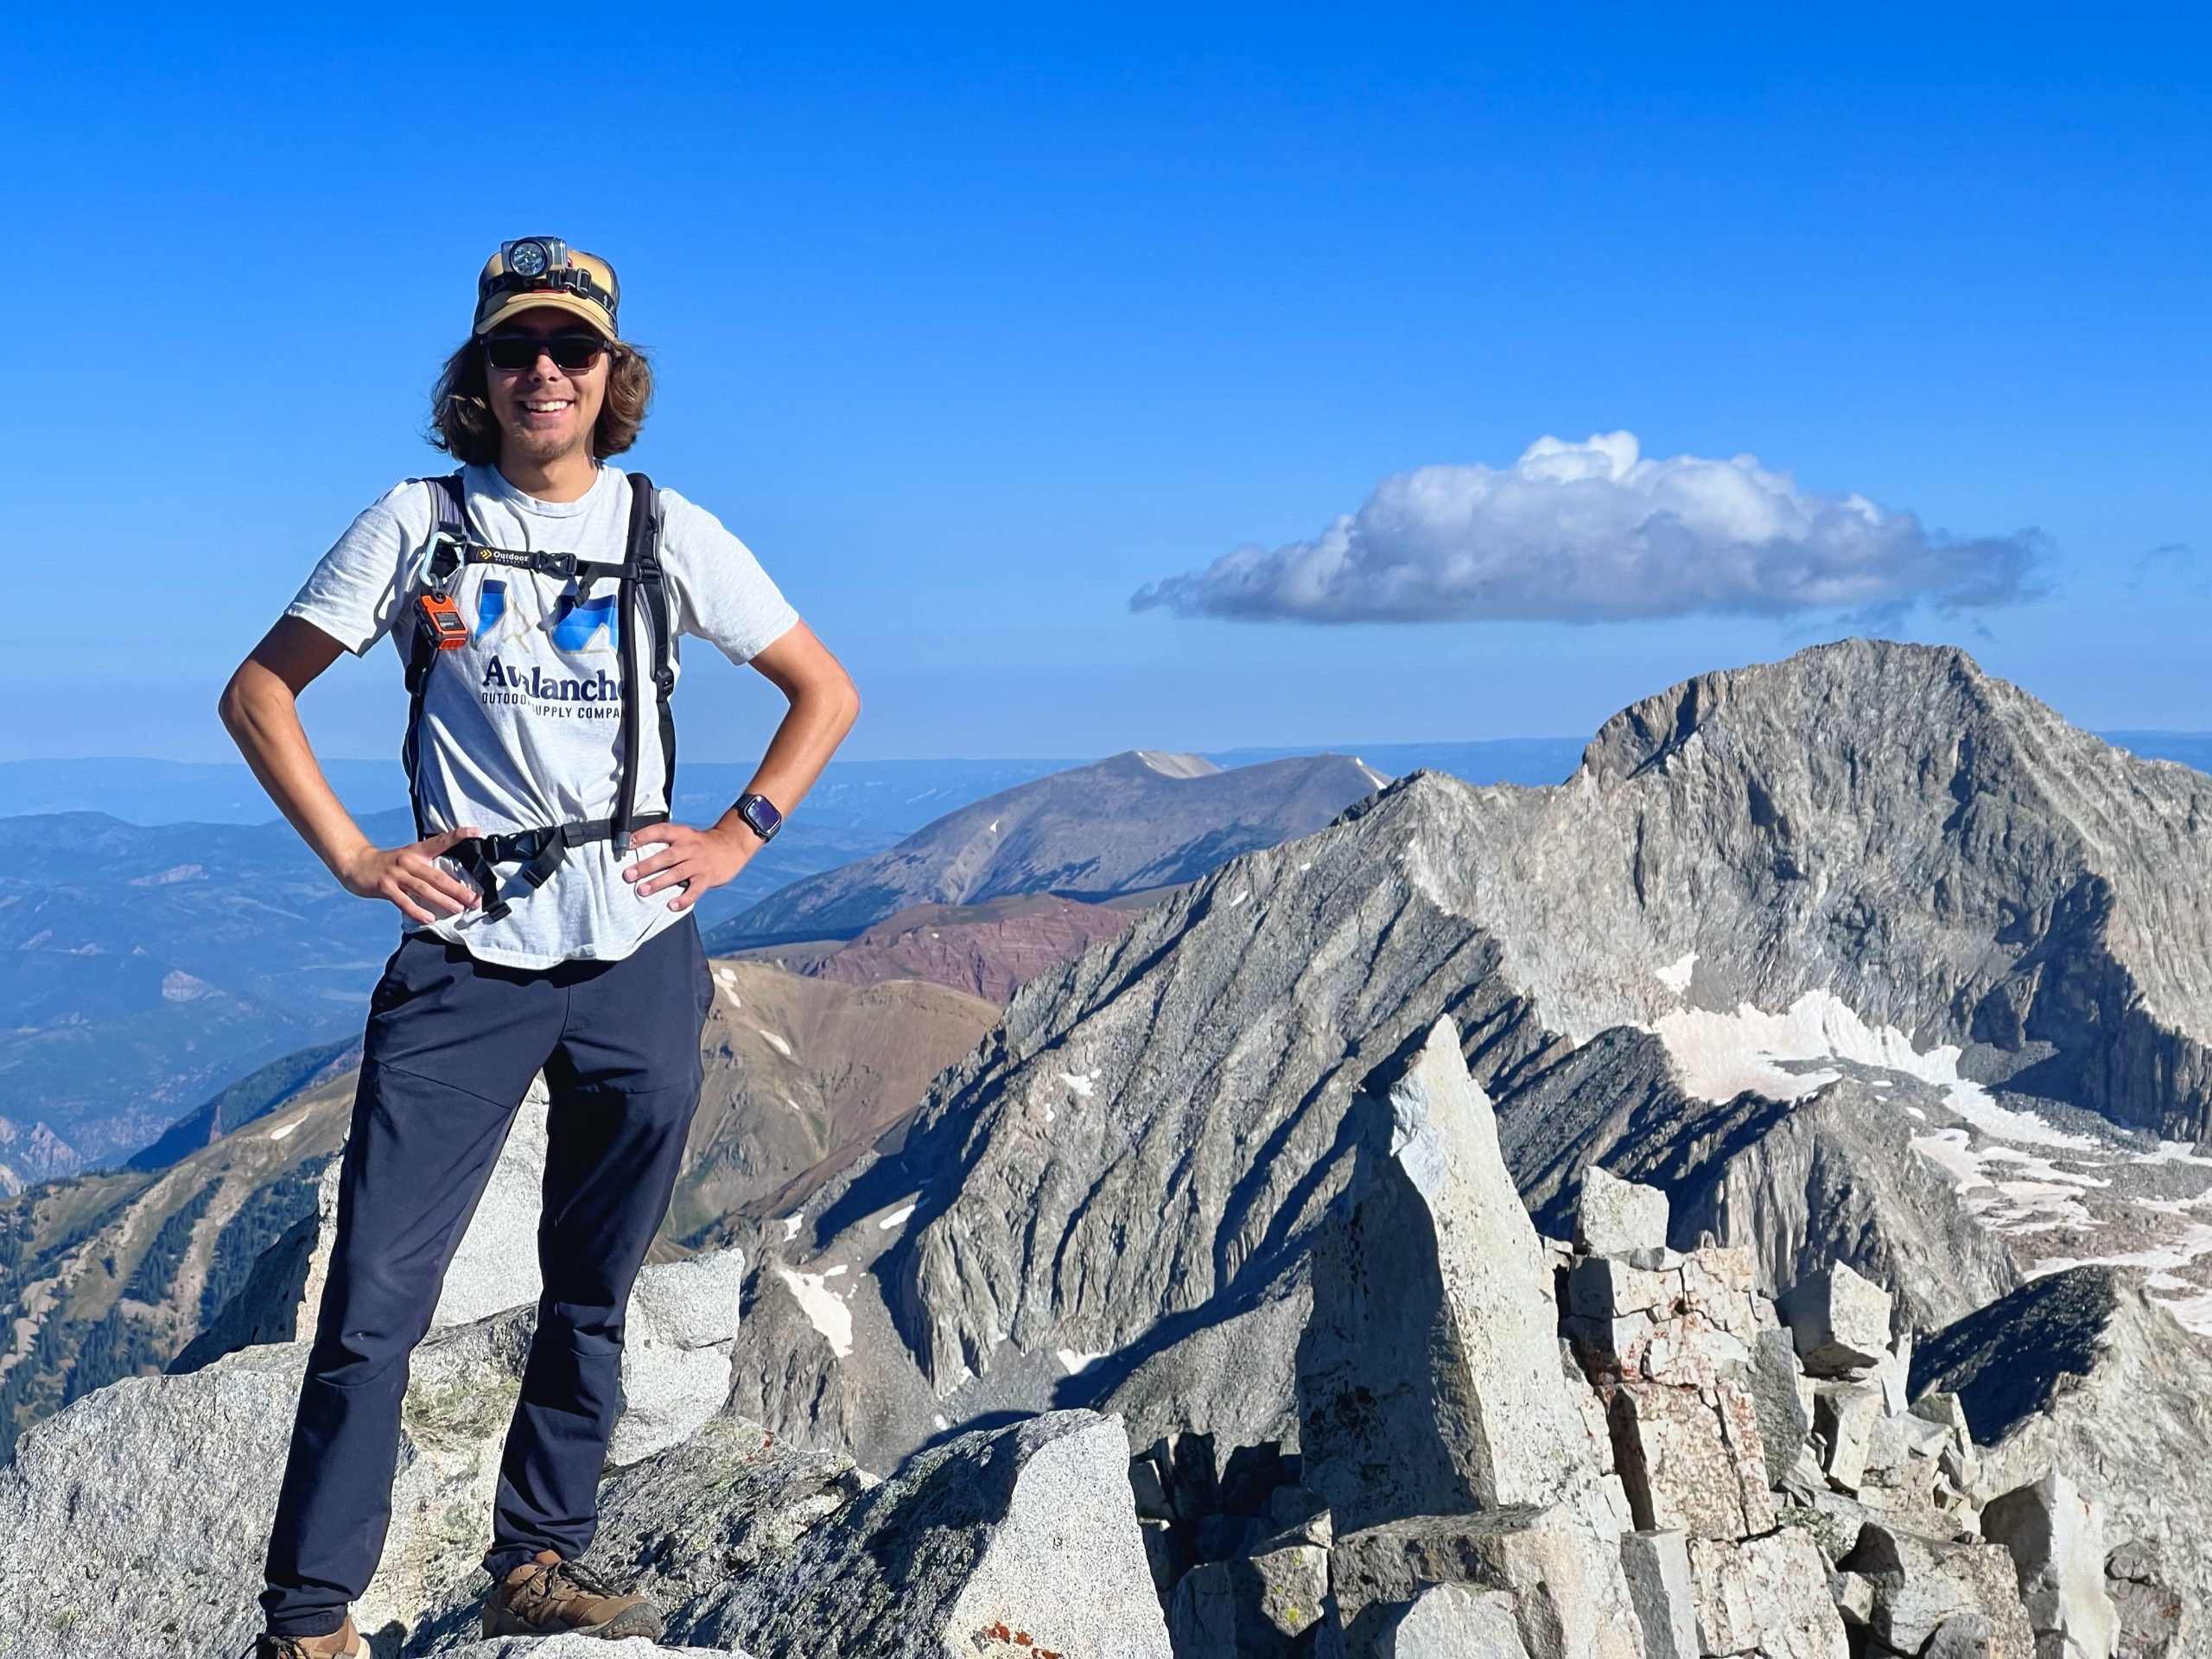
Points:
(536, 600)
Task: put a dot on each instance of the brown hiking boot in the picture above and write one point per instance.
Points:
(344, 1643)
(549, 1596)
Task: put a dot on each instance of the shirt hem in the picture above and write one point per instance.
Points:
(535, 962)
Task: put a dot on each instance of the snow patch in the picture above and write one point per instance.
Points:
(1071, 1362)
(823, 1311)
(1721, 1055)
(281, 1130)
(1242, 894)
(2172, 1152)
(1949, 1151)
(896, 1219)
(775, 1042)
(792, 1224)
(1081, 1082)
(1676, 976)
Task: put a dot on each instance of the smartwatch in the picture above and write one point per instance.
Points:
(760, 815)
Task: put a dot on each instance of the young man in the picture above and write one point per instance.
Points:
(536, 600)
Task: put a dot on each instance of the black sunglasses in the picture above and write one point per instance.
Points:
(570, 352)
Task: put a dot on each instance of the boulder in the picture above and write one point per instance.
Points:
(1430, 1381)
(1921, 1584)
(676, 1351)
(1449, 1621)
(1569, 1604)
(1845, 1415)
(2056, 1539)
(1658, 1568)
(1614, 1216)
(1767, 1596)
(1784, 1422)
(1018, 1541)
(1253, 1607)
(1840, 1321)
(1682, 1468)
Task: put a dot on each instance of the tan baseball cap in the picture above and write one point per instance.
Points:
(534, 271)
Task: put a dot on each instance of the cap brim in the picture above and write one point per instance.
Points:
(513, 305)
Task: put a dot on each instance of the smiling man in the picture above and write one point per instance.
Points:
(536, 597)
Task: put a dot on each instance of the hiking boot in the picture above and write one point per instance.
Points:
(344, 1643)
(549, 1596)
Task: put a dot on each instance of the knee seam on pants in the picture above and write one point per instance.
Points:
(440, 1083)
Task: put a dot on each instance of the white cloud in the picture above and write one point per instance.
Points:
(1592, 532)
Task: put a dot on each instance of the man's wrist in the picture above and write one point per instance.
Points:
(758, 814)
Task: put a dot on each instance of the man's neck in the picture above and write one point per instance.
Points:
(563, 478)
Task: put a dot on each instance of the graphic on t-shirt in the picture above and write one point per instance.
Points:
(497, 623)
(575, 622)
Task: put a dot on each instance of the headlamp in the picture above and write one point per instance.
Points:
(532, 255)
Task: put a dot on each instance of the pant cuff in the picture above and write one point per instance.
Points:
(500, 1562)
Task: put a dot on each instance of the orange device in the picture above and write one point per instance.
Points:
(442, 617)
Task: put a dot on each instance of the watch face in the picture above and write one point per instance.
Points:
(527, 259)
(761, 814)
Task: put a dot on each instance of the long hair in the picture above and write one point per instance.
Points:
(460, 405)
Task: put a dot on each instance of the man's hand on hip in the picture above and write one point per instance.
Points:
(693, 859)
(411, 877)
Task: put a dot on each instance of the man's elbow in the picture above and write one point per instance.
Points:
(239, 702)
(230, 707)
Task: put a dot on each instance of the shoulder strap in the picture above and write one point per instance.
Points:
(642, 578)
(449, 502)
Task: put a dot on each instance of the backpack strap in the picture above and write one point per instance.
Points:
(643, 579)
(449, 502)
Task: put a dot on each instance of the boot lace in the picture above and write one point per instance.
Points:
(576, 1578)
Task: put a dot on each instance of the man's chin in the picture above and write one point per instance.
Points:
(528, 443)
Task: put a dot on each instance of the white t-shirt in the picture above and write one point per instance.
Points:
(521, 727)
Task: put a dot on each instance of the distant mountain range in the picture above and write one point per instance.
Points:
(889, 799)
(1126, 825)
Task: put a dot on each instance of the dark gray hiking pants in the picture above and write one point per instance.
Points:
(451, 1046)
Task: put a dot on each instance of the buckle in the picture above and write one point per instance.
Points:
(518, 846)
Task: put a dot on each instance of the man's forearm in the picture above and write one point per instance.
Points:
(263, 717)
(809, 733)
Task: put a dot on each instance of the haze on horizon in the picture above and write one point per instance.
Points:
(1148, 378)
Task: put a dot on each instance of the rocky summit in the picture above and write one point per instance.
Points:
(1652, 1216)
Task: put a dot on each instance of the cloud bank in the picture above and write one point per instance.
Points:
(1593, 532)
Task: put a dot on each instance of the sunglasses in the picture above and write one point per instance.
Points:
(570, 352)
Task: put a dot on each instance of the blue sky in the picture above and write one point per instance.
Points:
(972, 324)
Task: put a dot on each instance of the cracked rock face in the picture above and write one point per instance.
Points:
(1020, 1540)
(1429, 1379)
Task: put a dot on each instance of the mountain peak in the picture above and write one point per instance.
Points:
(1169, 764)
(1892, 687)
